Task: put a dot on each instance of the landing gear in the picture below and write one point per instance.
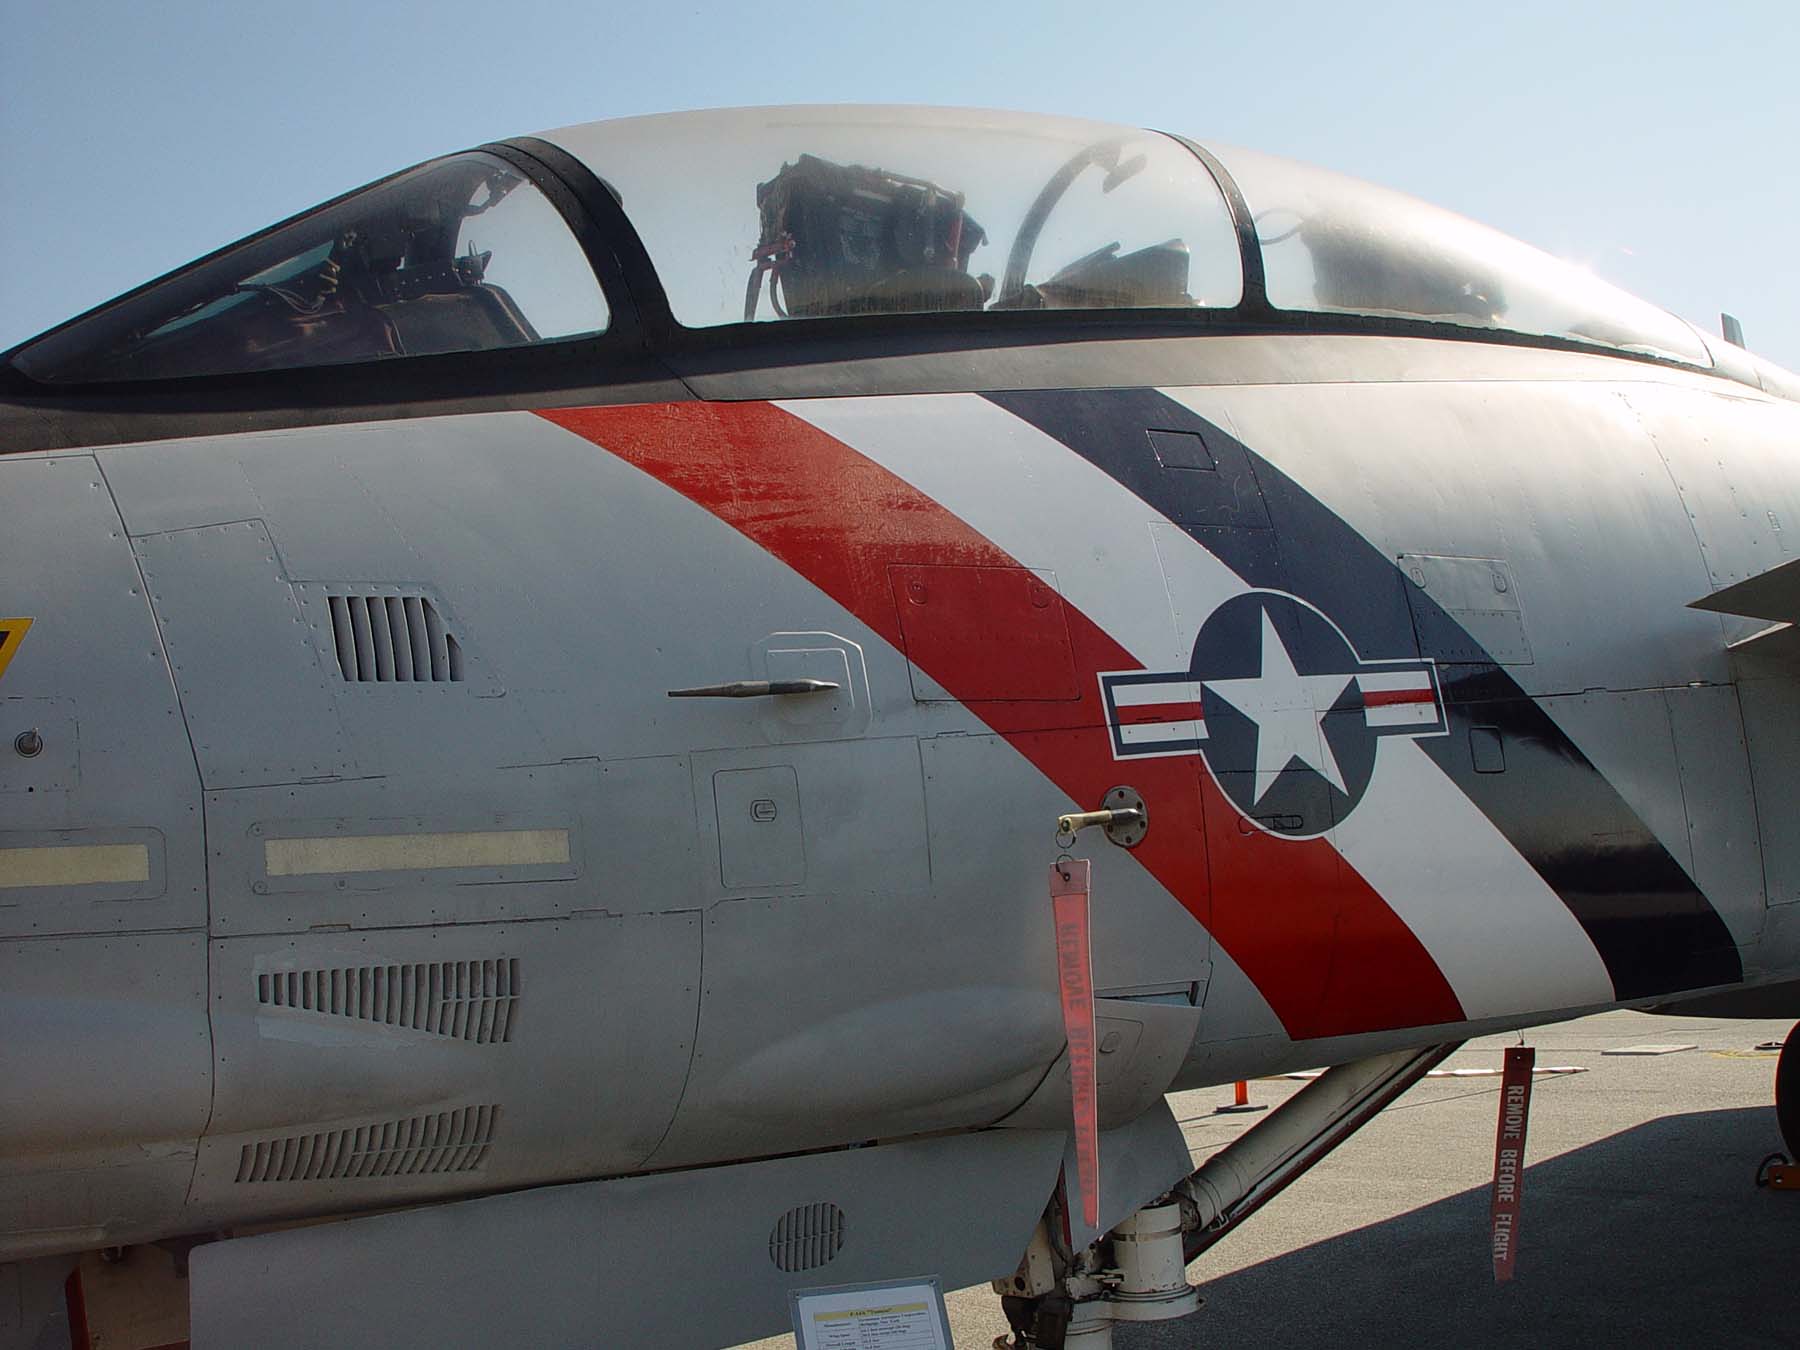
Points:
(1063, 1300)
(1136, 1273)
(1787, 1092)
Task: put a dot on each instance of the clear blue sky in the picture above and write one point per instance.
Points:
(1651, 141)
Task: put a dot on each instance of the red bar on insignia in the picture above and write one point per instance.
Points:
(1075, 978)
(1509, 1158)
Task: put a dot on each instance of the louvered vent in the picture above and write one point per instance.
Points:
(807, 1237)
(393, 639)
(467, 1000)
(446, 1141)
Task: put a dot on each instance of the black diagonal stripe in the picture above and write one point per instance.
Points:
(1651, 925)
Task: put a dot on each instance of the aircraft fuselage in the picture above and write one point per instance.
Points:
(373, 861)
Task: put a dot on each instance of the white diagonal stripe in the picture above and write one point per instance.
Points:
(1142, 694)
(1402, 715)
(1141, 733)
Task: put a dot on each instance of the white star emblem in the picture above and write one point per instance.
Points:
(1289, 710)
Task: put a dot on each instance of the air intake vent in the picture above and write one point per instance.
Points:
(447, 1141)
(466, 1000)
(393, 639)
(807, 1237)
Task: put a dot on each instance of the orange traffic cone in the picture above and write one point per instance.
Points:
(1240, 1101)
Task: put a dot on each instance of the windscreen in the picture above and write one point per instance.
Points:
(460, 255)
(791, 214)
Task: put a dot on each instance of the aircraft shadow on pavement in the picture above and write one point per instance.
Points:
(1654, 1236)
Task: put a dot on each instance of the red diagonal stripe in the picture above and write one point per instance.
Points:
(1321, 945)
(1386, 698)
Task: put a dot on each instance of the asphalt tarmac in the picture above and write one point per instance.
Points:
(1641, 1223)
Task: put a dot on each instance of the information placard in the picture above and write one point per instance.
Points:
(888, 1315)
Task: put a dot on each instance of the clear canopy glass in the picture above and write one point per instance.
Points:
(788, 213)
(1336, 244)
(460, 255)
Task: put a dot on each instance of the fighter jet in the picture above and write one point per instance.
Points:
(543, 703)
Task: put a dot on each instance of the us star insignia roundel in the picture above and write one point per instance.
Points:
(1285, 713)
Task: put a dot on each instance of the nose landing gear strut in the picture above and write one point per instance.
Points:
(1063, 1300)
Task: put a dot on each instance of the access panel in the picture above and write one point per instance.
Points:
(1000, 630)
(99, 801)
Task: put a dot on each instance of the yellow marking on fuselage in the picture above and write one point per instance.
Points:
(74, 865)
(414, 852)
(12, 633)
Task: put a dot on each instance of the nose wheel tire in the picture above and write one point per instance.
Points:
(1787, 1092)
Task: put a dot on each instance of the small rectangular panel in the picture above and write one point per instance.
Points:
(250, 678)
(1486, 750)
(49, 724)
(858, 818)
(1716, 792)
(835, 715)
(415, 852)
(1629, 739)
(41, 866)
(761, 841)
(1473, 612)
(623, 857)
(179, 484)
(828, 709)
(1206, 478)
(74, 865)
(1182, 450)
(984, 634)
(1771, 723)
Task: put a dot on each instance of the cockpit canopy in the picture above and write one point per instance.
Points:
(790, 215)
(768, 214)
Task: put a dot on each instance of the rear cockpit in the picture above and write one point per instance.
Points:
(784, 214)
(739, 228)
